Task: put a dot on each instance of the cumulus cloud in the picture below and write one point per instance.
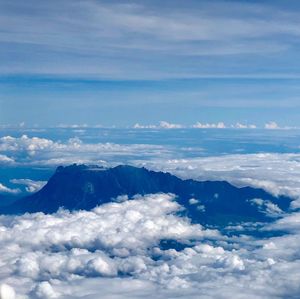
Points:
(277, 173)
(44, 290)
(193, 201)
(114, 250)
(161, 125)
(219, 125)
(114, 238)
(290, 222)
(167, 125)
(244, 126)
(42, 151)
(272, 125)
(138, 126)
(7, 292)
(6, 160)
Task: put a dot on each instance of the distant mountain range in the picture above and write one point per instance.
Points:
(84, 187)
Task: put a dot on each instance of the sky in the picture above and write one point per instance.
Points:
(117, 63)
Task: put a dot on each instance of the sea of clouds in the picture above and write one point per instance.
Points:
(277, 173)
(114, 251)
(38, 151)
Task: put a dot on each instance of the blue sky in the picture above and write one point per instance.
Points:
(122, 62)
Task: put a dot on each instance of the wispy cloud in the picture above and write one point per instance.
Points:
(108, 37)
(30, 185)
(6, 190)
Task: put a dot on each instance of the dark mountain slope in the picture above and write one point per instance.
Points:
(81, 187)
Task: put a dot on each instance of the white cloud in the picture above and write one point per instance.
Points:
(271, 125)
(81, 253)
(244, 126)
(30, 185)
(7, 190)
(123, 34)
(111, 239)
(241, 126)
(267, 207)
(161, 125)
(202, 125)
(193, 201)
(74, 126)
(6, 292)
(278, 174)
(138, 126)
(113, 250)
(219, 125)
(6, 160)
(44, 290)
(43, 151)
(167, 125)
(290, 222)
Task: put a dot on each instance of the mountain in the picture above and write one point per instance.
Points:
(209, 202)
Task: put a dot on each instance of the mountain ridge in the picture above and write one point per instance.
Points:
(82, 187)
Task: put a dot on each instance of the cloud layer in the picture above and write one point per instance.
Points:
(140, 247)
(42, 151)
(114, 250)
(277, 173)
(111, 39)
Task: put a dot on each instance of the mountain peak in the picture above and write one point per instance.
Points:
(76, 187)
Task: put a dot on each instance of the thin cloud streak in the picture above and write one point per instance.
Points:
(108, 37)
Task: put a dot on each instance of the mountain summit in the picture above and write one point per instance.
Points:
(84, 187)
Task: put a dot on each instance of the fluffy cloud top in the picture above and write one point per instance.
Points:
(114, 250)
(112, 239)
(167, 125)
(201, 125)
(161, 125)
(244, 126)
(43, 151)
(4, 159)
(197, 125)
(271, 125)
(278, 174)
(7, 292)
(219, 125)
(117, 250)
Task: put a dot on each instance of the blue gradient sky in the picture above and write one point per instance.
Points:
(122, 62)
